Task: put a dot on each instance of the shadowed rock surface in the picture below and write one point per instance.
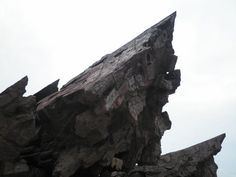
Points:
(17, 127)
(195, 161)
(114, 108)
(104, 121)
(46, 91)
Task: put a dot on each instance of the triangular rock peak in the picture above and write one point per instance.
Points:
(107, 121)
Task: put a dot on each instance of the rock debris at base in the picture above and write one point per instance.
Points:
(106, 122)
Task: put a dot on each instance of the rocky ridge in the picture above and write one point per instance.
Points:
(107, 121)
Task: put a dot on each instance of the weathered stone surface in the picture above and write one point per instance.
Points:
(195, 161)
(17, 128)
(114, 108)
(103, 122)
(15, 169)
(17, 123)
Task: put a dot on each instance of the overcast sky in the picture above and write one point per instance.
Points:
(51, 39)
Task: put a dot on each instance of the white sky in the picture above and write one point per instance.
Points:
(51, 39)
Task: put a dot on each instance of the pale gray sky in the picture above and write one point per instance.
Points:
(51, 39)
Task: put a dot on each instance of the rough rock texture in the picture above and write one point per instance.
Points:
(17, 126)
(103, 122)
(195, 161)
(114, 108)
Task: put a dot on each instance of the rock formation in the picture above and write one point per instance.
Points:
(17, 127)
(195, 161)
(105, 121)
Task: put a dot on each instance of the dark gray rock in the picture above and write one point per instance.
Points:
(114, 108)
(103, 122)
(46, 91)
(15, 169)
(195, 161)
(17, 120)
(17, 127)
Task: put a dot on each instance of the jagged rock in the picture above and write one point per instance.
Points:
(114, 108)
(103, 122)
(17, 126)
(46, 91)
(195, 161)
(17, 123)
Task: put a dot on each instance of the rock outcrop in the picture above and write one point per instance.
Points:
(17, 127)
(103, 122)
(46, 91)
(114, 108)
(195, 161)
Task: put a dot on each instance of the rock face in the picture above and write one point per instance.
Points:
(114, 108)
(195, 161)
(17, 127)
(103, 122)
